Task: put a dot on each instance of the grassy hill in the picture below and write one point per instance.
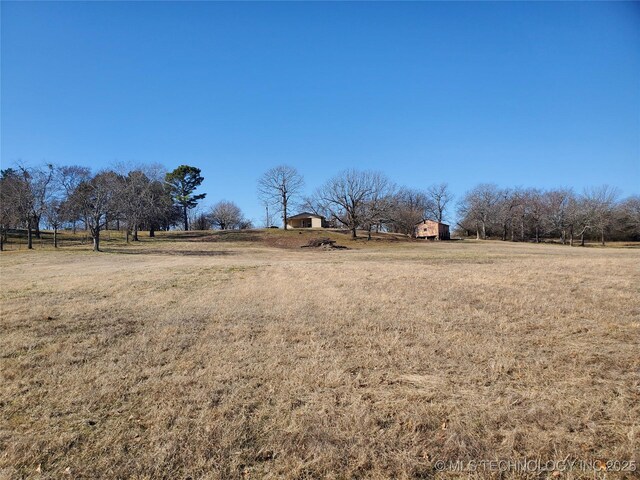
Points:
(272, 237)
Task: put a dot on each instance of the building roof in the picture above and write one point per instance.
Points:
(431, 221)
(304, 215)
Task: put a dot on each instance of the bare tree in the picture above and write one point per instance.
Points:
(539, 214)
(479, 208)
(409, 207)
(245, 224)
(54, 214)
(557, 210)
(353, 197)
(97, 199)
(378, 208)
(226, 215)
(536, 209)
(136, 201)
(200, 221)
(579, 219)
(439, 196)
(279, 186)
(602, 201)
(312, 204)
(33, 197)
(163, 213)
(15, 201)
(68, 178)
(506, 211)
(42, 189)
(6, 208)
(630, 216)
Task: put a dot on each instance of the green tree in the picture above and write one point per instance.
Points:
(182, 183)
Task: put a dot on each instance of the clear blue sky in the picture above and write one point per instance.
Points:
(532, 94)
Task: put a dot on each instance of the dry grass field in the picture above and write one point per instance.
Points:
(243, 356)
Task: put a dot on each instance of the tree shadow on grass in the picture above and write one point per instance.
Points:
(180, 235)
(211, 236)
(175, 253)
(230, 236)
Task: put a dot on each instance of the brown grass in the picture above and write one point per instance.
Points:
(233, 359)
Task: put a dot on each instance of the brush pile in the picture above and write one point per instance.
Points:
(325, 243)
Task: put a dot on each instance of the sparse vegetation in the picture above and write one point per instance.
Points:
(279, 187)
(217, 355)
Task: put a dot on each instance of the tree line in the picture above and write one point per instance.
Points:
(355, 200)
(366, 200)
(144, 198)
(149, 198)
(531, 214)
